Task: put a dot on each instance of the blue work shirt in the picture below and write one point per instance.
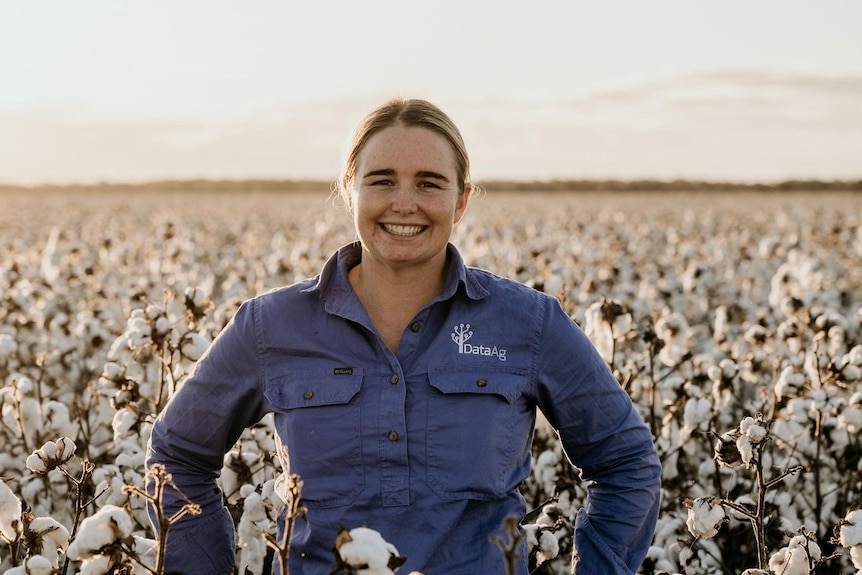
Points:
(426, 445)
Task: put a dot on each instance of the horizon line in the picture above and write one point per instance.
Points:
(549, 184)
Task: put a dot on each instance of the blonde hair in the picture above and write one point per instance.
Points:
(410, 112)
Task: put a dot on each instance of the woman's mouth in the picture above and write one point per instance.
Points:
(403, 230)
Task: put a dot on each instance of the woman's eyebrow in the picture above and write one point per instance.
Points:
(435, 175)
(383, 172)
(420, 174)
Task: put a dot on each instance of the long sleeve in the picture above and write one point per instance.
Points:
(603, 435)
(200, 423)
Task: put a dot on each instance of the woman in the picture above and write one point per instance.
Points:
(404, 387)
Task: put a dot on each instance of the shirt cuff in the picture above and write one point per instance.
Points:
(203, 546)
(592, 555)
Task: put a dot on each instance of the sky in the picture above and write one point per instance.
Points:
(125, 91)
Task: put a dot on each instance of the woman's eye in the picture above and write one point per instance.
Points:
(381, 183)
(431, 185)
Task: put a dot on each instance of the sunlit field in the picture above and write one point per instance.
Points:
(732, 319)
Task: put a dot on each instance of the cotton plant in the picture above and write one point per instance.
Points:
(760, 290)
(46, 537)
(255, 519)
(673, 330)
(88, 540)
(543, 535)
(697, 413)
(743, 447)
(38, 541)
(166, 338)
(21, 409)
(607, 321)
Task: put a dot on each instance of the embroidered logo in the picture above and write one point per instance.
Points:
(463, 333)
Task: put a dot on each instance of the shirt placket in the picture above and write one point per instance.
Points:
(395, 465)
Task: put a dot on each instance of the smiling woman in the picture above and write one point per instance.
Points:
(386, 412)
(405, 203)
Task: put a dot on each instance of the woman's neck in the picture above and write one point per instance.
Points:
(393, 297)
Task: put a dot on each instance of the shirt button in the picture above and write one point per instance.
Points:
(482, 382)
(394, 379)
(415, 327)
(393, 436)
(308, 394)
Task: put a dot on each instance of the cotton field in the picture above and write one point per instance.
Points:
(733, 321)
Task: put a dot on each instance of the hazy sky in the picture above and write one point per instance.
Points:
(735, 90)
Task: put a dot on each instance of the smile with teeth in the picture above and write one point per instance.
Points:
(403, 230)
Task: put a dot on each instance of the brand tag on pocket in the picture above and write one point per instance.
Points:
(342, 371)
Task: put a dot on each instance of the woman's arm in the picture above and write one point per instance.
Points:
(603, 435)
(200, 423)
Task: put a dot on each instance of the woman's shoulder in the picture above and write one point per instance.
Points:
(284, 295)
(495, 283)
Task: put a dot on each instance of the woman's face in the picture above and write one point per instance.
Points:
(405, 198)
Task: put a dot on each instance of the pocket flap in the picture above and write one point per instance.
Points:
(304, 389)
(509, 384)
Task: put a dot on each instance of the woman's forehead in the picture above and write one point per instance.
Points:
(407, 147)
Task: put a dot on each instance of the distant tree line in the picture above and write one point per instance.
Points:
(669, 185)
(556, 185)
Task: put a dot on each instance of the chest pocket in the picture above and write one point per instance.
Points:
(479, 431)
(317, 416)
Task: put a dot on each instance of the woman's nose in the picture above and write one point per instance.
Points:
(404, 200)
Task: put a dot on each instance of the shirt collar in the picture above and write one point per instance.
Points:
(333, 285)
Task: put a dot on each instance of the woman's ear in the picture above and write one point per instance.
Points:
(461, 205)
(347, 196)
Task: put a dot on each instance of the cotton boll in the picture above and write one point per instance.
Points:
(599, 331)
(546, 471)
(35, 565)
(31, 415)
(673, 331)
(850, 532)
(726, 450)
(106, 526)
(366, 551)
(52, 536)
(56, 417)
(51, 455)
(253, 520)
(193, 345)
(196, 301)
(659, 558)
(753, 429)
(118, 352)
(123, 421)
(8, 348)
(789, 383)
(96, 565)
(531, 535)
(705, 517)
(36, 464)
(146, 550)
(549, 547)
(696, 414)
(796, 557)
(161, 326)
(10, 513)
